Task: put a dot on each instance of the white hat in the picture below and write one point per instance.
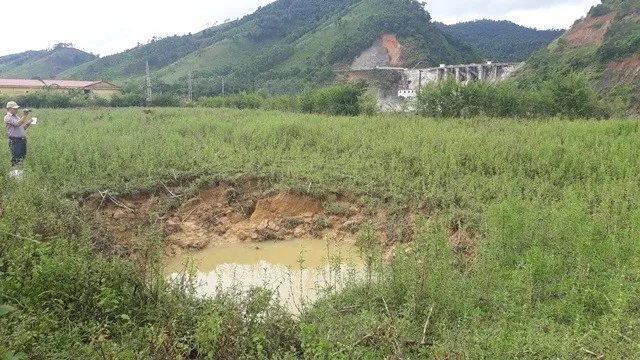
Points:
(12, 105)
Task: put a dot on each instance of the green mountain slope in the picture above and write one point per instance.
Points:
(503, 40)
(344, 37)
(604, 47)
(283, 19)
(42, 64)
(282, 47)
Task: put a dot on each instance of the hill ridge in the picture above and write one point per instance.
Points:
(43, 63)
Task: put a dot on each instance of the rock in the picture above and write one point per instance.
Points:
(173, 250)
(242, 236)
(255, 236)
(264, 224)
(299, 232)
(272, 226)
(198, 244)
(351, 226)
(221, 230)
(172, 227)
(119, 214)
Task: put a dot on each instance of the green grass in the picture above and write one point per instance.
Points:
(554, 203)
(216, 57)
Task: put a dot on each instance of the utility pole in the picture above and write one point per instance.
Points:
(222, 86)
(148, 85)
(190, 87)
(419, 91)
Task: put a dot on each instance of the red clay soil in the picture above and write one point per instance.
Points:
(627, 70)
(390, 42)
(624, 72)
(591, 31)
(224, 214)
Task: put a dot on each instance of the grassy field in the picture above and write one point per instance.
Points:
(553, 204)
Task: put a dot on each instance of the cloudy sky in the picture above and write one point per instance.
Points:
(112, 26)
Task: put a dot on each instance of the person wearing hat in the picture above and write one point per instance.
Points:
(16, 130)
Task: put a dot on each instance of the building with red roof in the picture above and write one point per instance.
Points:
(21, 86)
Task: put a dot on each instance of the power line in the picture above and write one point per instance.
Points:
(148, 85)
(190, 87)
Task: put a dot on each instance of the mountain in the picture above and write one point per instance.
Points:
(283, 47)
(501, 41)
(604, 47)
(44, 63)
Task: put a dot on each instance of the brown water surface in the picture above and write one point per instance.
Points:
(298, 271)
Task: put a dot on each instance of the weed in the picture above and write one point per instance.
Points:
(554, 203)
(337, 209)
(291, 222)
(320, 223)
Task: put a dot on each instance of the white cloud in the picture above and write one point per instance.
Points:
(106, 27)
(497, 7)
(554, 15)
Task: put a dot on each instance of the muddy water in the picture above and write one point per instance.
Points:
(297, 271)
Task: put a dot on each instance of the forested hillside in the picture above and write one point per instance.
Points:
(603, 47)
(44, 63)
(501, 40)
(282, 48)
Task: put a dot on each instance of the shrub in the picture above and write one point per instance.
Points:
(572, 97)
(97, 101)
(165, 100)
(45, 99)
(368, 104)
(282, 103)
(569, 96)
(51, 100)
(127, 100)
(599, 10)
(235, 101)
(341, 99)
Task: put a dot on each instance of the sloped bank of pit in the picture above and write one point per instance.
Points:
(222, 214)
(228, 213)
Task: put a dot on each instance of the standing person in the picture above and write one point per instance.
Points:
(16, 130)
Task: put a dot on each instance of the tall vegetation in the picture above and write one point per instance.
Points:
(548, 268)
(596, 60)
(340, 99)
(569, 97)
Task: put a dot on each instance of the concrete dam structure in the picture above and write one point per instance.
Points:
(394, 83)
(397, 81)
(462, 73)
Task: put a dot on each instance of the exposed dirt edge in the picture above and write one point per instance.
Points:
(222, 214)
(228, 213)
(591, 31)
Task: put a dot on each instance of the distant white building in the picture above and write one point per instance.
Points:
(407, 93)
